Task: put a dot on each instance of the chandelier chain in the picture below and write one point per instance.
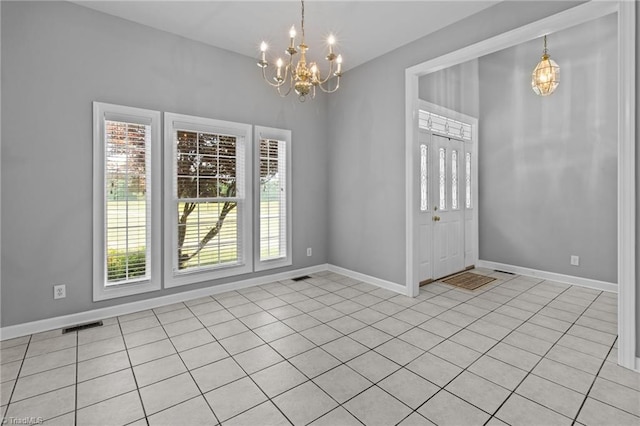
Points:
(302, 20)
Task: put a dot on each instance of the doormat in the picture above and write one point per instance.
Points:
(468, 280)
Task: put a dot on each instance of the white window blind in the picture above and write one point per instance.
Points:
(273, 199)
(127, 201)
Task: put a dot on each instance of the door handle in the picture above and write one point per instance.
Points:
(436, 218)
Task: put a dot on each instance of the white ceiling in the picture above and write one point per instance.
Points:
(364, 29)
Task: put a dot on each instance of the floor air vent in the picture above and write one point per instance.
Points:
(82, 327)
(503, 272)
(304, 277)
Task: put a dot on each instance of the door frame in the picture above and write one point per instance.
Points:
(473, 121)
(626, 212)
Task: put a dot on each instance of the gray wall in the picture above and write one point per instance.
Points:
(366, 150)
(456, 88)
(548, 172)
(59, 57)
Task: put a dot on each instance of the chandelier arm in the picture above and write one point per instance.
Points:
(288, 68)
(329, 75)
(284, 95)
(331, 90)
(264, 75)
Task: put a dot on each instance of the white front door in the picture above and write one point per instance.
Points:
(445, 240)
(446, 204)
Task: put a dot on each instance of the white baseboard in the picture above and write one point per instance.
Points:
(397, 288)
(567, 279)
(39, 326)
(127, 308)
(637, 364)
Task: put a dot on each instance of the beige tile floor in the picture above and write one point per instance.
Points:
(330, 350)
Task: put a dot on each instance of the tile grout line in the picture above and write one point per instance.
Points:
(295, 332)
(375, 384)
(538, 362)
(498, 341)
(311, 379)
(371, 349)
(185, 366)
(344, 363)
(317, 346)
(442, 388)
(13, 388)
(586, 395)
(135, 380)
(234, 360)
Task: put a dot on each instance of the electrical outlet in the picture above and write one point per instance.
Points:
(575, 260)
(59, 291)
(309, 251)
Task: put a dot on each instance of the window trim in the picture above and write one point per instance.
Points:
(101, 112)
(244, 133)
(284, 135)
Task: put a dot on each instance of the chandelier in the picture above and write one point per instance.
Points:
(302, 77)
(546, 75)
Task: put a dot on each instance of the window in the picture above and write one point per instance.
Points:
(210, 188)
(444, 125)
(423, 178)
(442, 166)
(467, 179)
(273, 198)
(207, 210)
(454, 180)
(126, 200)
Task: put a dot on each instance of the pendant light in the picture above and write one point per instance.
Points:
(546, 75)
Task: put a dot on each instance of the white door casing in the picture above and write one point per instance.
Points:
(424, 216)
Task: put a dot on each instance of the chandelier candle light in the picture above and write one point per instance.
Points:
(302, 77)
(546, 75)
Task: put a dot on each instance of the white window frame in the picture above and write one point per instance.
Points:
(260, 133)
(102, 112)
(242, 131)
